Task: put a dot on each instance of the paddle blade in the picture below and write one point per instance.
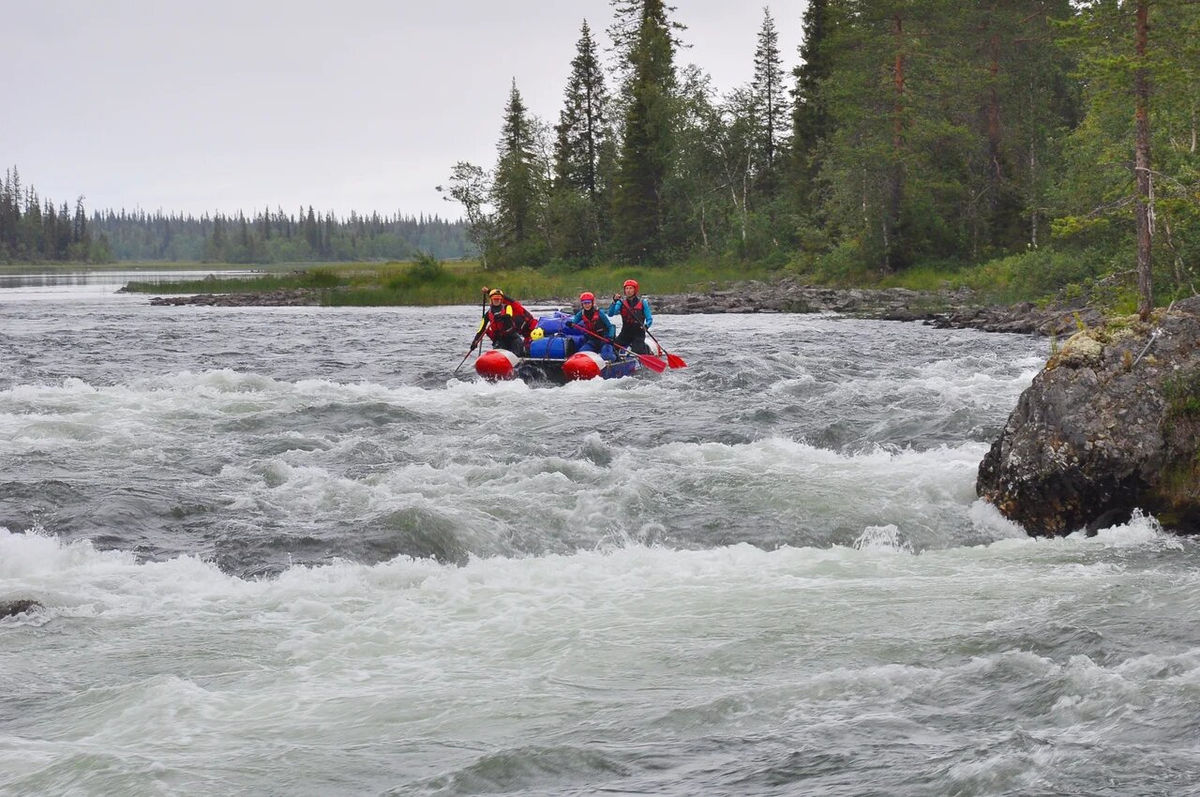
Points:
(675, 362)
(653, 363)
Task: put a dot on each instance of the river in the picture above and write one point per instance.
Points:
(288, 551)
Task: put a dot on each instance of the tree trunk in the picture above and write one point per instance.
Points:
(1033, 209)
(1141, 93)
(891, 224)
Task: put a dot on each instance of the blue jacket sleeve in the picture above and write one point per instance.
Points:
(614, 308)
(646, 311)
(575, 319)
(609, 330)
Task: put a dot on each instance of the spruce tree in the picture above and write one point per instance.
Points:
(769, 95)
(625, 33)
(519, 189)
(1137, 63)
(646, 148)
(891, 160)
(583, 122)
(577, 211)
(810, 121)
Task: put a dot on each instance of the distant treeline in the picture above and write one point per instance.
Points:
(278, 237)
(33, 230)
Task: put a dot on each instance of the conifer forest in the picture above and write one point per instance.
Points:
(903, 133)
(33, 230)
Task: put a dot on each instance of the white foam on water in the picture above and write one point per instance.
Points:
(184, 663)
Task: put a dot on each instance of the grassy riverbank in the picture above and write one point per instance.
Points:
(427, 283)
(1036, 276)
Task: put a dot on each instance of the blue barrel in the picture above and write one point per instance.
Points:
(555, 348)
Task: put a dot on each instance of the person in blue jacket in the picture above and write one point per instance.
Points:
(591, 320)
(636, 318)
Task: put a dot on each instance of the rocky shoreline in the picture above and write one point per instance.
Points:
(960, 309)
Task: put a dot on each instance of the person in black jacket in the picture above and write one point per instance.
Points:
(507, 323)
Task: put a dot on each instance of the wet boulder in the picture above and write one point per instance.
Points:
(1110, 425)
(14, 607)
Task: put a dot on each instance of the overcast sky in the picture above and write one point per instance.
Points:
(341, 104)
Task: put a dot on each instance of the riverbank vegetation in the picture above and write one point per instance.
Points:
(1039, 278)
(1045, 142)
(428, 281)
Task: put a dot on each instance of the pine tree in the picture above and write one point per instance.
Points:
(583, 123)
(810, 119)
(577, 210)
(1012, 95)
(769, 95)
(519, 189)
(891, 182)
(1134, 61)
(639, 209)
(625, 33)
(1177, 145)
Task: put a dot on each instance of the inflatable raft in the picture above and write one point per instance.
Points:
(555, 356)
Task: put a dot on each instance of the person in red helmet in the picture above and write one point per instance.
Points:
(591, 320)
(507, 323)
(636, 317)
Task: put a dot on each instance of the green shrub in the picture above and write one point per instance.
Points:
(1182, 392)
(320, 279)
(427, 268)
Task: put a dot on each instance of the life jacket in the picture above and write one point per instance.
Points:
(594, 323)
(633, 315)
(509, 318)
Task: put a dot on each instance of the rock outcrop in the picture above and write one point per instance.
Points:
(1110, 425)
(293, 297)
(21, 606)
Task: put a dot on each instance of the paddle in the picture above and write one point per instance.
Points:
(653, 363)
(474, 343)
(672, 360)
(478, 335)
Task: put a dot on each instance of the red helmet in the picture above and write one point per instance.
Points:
(587, 296)
(629, 283)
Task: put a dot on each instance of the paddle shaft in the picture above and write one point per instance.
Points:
(474, 343)
(652, 363)
(478, 335)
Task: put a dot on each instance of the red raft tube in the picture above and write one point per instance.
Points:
(553, 358)
(497, 364)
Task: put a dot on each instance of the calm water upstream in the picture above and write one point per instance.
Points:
(284, 551)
